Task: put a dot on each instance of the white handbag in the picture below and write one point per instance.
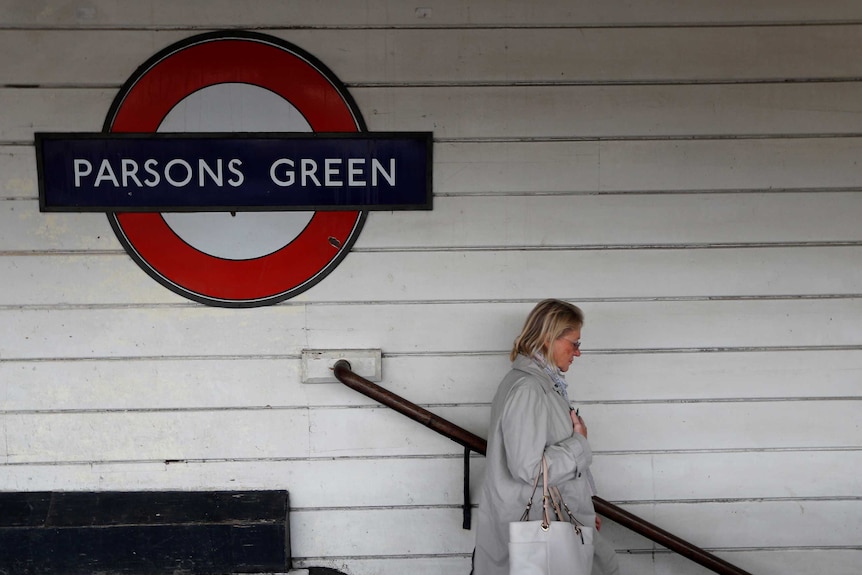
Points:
(546, 547)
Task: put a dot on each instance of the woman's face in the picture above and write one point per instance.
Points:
(566, 348)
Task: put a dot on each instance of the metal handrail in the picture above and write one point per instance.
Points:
(459, 435)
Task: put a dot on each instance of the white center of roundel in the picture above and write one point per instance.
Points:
(236, 108)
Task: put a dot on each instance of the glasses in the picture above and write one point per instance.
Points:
(576, 345)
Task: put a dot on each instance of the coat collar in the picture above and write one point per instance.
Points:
(527, 365)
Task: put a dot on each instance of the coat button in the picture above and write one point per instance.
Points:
(579, 474)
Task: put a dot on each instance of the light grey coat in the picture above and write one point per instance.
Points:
(529, 418)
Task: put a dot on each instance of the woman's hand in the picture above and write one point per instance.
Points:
(578, 424)
(598, 523)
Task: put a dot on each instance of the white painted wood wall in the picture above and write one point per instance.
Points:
(688, 172)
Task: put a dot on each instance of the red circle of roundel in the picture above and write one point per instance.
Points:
(259, 60)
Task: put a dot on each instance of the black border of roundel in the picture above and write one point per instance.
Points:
(323, 70)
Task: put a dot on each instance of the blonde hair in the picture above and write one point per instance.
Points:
(549, 320)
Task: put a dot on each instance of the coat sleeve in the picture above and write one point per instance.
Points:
(524, 427)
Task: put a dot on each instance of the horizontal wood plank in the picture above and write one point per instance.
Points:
(196, 14)
(639, 111)
(771, 562)
(459, 563)
(770, 164)
(478, 275)
(18, 172)
(704, 476)
(769, 524)
(166, 332)
(31, 110)
(402, 532)
(720, 376)
(25, 229)
(377, 432)
(752, 426)
(357, 482)
(819, 163)
(563, 112)
(556, 55)
(579, 221)
(195, 383)
(650, 427)
(163, 436)
(500, 275)
(384, 532)
(411, 329)
(490, 327)
(777, 562)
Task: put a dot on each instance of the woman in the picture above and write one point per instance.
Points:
(531, 416)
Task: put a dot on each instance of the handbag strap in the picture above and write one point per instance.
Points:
(557, 503)
(546, 498)
(557, 500)
(526, 514)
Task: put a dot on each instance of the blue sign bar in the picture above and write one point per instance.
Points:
(234, 172)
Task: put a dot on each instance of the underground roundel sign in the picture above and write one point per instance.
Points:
(235, 169)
